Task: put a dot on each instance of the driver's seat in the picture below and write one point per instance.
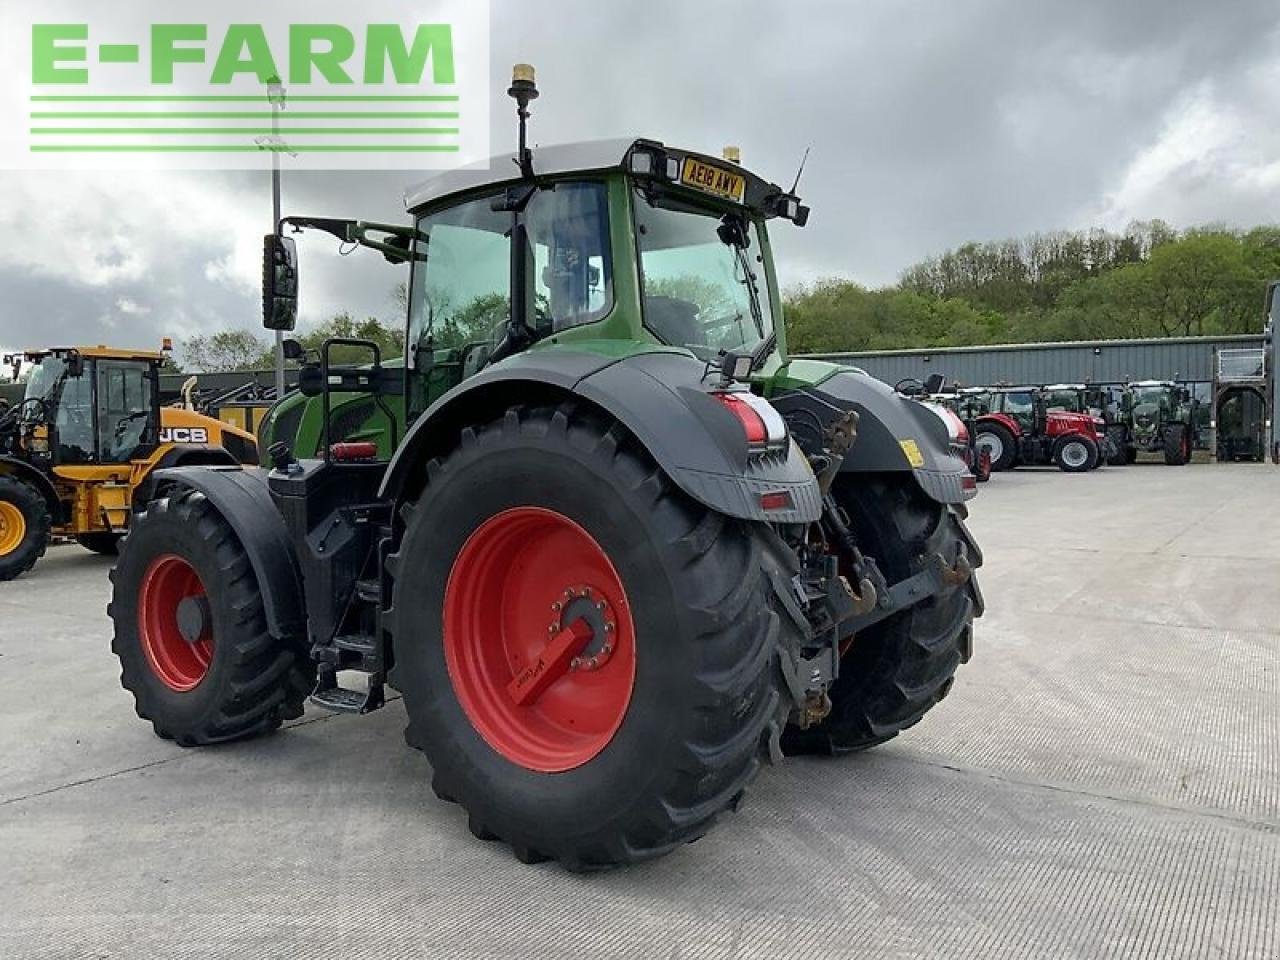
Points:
(675, 321)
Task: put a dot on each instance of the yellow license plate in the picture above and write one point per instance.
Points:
(713, 180)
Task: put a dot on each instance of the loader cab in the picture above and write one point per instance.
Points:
(90, 407)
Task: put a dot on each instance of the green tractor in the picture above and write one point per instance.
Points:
(611, 545)
(1155, 416)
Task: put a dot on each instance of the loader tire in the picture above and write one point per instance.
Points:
(613, 763)
(190, 631)
(104, 544)
(24, 527)
(893, 673)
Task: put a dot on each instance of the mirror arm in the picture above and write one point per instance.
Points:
(357, 231)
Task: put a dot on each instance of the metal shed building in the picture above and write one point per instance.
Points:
(1100, 361)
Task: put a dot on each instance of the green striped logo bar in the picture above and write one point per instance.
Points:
(248, 85)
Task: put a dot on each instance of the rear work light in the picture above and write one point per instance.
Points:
(763, 425)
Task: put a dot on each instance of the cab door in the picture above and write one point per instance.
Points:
(127, 407)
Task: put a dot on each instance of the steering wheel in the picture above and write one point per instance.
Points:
(14, 413)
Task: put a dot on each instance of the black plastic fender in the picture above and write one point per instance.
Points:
(895, 434)
(244, 500)
(29, 474)
(187, 455)
(660, 396)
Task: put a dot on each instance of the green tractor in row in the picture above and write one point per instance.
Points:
(613, 547)
(1152, 416)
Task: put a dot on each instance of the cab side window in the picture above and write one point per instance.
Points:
(124, 410)
(1021, 406)
(73, 422)
(568, 229)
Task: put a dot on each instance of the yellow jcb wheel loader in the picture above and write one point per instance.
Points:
(84, 444)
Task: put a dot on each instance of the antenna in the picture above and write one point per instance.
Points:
(522, 91)
(803, 161)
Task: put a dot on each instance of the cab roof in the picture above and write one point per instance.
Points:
(99, 352)
(588, 156)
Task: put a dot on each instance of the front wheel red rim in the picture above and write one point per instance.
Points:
(180, 662)
(539, 639)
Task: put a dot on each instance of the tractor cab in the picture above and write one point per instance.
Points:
(608, 247)
(88, 406)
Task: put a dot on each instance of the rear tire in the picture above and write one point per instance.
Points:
(104, 544)
(1176, 445)
(1119, 456)
(1002, 445)
(1075, 454)
(897, 670)
(234, 679)
(703, 704)
(24, 527)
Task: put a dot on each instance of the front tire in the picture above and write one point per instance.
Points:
(1075, 454)
(897, 670)
(24, 527)
(640, 753)
(1177, 445)
(190, 631)
(1000, 445)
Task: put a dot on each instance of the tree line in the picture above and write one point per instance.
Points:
(1149, 281)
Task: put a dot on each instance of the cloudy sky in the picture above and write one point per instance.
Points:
(931, 122)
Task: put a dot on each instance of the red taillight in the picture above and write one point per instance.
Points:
(776, 500)
(959, 430)
(752, 423)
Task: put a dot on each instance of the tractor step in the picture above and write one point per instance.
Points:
(329, 695)
(370, 591)
(360, 643)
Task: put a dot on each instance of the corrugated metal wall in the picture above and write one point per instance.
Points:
(1100, 361)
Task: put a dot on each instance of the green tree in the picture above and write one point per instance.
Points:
(226, 350)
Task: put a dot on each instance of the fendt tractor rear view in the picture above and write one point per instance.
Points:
(613, 547)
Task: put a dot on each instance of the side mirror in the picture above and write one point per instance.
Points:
(293, 350)
(279, 282)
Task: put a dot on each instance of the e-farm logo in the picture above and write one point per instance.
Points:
(244, 84)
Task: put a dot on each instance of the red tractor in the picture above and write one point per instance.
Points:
(1016, 427)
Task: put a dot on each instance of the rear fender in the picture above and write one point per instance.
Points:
(187, 455)
(244, 500)
(659, 396)
(895, 434)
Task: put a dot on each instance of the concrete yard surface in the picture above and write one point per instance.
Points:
(1103, 781)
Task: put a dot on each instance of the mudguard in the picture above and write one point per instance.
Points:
(894, 434)
(187, 455)
(244, 500)
(661, 396)
(29, 474)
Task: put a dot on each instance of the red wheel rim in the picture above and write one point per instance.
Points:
(179, 663)
(539, 639)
